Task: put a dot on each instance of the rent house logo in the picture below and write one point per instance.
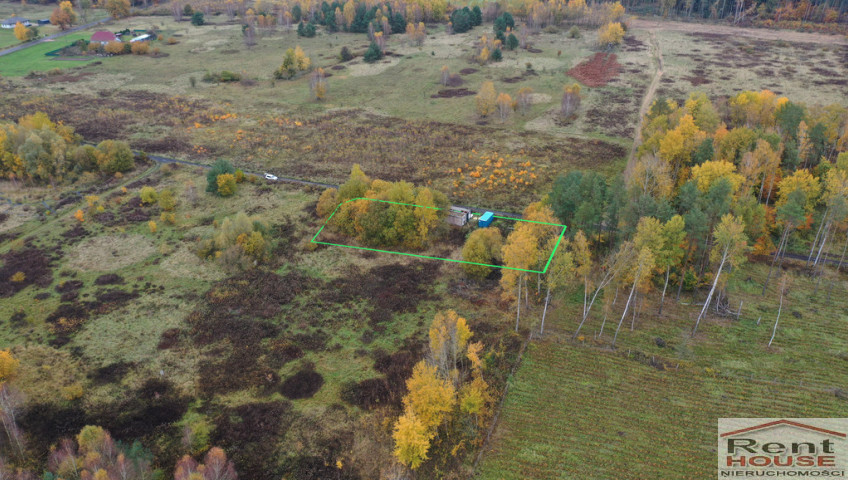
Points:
(782, 447)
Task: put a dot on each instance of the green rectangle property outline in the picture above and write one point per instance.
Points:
(561, 235)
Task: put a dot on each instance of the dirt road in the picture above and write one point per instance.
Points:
(656, 53)
(758, 33)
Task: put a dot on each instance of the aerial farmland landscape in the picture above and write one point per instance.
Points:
(423, 239)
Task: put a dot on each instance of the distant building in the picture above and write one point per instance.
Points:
(44, 21)
(103, 37)
(141, 38)
(11, 22)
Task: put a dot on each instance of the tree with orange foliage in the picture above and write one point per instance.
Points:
(63, 16)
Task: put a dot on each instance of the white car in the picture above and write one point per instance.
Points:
(268, 176)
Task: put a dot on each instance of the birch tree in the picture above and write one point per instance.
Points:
(673, 235)
(640, 272)
(791, 215)
(560, 272)
(729, 247)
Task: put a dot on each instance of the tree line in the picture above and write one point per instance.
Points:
(712, 183)
(37, 151)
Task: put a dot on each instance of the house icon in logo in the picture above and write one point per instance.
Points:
(783, 422)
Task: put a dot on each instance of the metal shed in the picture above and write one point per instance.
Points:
(485, 220)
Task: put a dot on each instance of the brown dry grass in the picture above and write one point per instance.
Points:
(110, 252)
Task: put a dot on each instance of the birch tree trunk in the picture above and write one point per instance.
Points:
(774, 330)
(662, 298)
(776, 255)
(626, 307)
(545, 310)
(518, 306)
(712, 290)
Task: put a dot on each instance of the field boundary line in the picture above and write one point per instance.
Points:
(548, 264)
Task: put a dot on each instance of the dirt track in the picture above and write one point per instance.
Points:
(758, 33)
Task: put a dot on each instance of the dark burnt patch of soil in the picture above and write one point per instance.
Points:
(109, 279)
(33, 263)
(453, 93)
(248, 433)
(156, 403)
(303, 384)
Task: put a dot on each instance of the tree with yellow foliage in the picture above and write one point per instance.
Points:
(226, 184)
(486, 99)
(799, 180)
(651, 176)
(23, 33)
(318, 84)
(8, 366)
(610, 35)
(505, 105)
(483, 57)
(678, 144)
(449, 335)
(294, 62)
(412, 440)
(483, 246)
(570, 100)
(708, 172)
(118, 8)
(519, 252)
(79, 215)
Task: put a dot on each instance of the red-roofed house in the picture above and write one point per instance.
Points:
(103, 37)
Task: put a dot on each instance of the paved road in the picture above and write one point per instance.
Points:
(52, 37)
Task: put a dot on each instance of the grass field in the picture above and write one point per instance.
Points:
(578, 412)
(580, 408)
(31, 59)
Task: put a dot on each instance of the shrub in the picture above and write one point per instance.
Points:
(197, 19)
(483, 246)
(218, 168)
(187, 10)
(172, 41)
(148, 195)
(192, 81)
(497, 56)
(167, 201)
(227, 76)
(140, 48)
(114, 48)
(373, 53)
(345, 55)
(551, 29)
(152, 226)
(573, 32)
